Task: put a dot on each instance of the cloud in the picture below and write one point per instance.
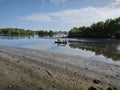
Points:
(117, 0)
(58, 1)
(38, 17)
(77, 17)
(55, 1)
(84, 16)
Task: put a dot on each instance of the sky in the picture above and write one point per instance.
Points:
(56, 15)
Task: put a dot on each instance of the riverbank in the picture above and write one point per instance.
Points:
(26, 69)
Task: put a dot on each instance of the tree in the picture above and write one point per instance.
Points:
(108, 29)
(16, 32)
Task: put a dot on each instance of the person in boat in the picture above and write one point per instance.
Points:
(61, 41)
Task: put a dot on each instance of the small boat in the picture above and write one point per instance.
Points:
(63, 42)
(59, 41)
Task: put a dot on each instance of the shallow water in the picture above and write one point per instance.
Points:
(105, 50)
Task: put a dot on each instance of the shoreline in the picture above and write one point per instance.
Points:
(51, 71)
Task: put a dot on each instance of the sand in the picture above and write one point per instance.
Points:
(27, 69)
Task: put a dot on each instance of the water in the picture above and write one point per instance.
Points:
(105, 50)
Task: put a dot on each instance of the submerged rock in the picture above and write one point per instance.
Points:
(110, 88)
(92, 88)
(96, 81)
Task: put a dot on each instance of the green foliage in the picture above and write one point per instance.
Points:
(45, 33)
(108, 29)
(22, 32)
(16, 32)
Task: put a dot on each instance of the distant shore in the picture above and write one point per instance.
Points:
(27, 69)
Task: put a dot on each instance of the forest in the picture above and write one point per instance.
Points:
(16, 32)
(23, 32)
(107, 29)
(45, 33)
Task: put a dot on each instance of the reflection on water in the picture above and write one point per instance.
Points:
(16, 37)
(89, 49)
(61, 44)
(105, 49)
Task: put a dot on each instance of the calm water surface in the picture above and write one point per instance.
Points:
(105, 50)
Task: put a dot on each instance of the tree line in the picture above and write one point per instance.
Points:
(23, 32)
(45, 33)
(107, 29)
(16, 32)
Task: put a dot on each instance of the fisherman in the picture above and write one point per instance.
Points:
(59, 40)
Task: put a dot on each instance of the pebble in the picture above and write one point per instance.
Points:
(92, 88)
(96, 81)
(9, 86)
(110, 88)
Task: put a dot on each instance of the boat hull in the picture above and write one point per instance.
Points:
(65, 42)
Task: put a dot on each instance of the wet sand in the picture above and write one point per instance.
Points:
(27, 69)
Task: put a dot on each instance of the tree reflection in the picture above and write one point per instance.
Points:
(107, 50)
(16, 37)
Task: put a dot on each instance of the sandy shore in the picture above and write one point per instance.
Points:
(25, 69)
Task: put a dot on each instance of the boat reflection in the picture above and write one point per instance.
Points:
(61, 44)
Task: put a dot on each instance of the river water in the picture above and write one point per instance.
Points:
(104, 50)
